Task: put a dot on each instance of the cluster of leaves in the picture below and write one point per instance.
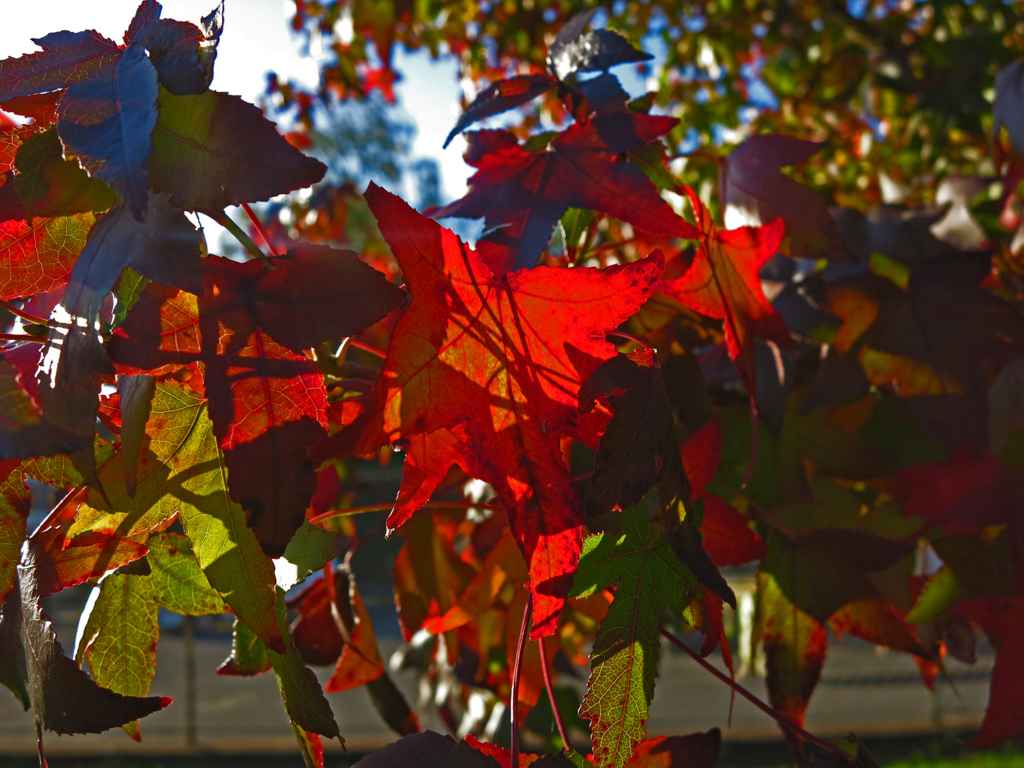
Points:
(830, 394)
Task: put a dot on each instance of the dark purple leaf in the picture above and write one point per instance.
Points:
(107, 122)
(500, 97)
(66, 699)
(67, 58)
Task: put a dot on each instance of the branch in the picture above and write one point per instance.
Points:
(516, 670)
(257, 224)
(367, 348)
(22, 337)
(782, 720)
(551, 694)
(23, 314)
(239, 234)
(630, 337)
(391, 505)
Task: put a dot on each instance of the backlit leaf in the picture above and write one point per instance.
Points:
(624, 662)
(213, 150)
(107, 122)
(723, 282)
(509, 355)
(522, 194)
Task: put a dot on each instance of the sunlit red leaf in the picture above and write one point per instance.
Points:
(723, 282)
(505, 356)
(728, 537)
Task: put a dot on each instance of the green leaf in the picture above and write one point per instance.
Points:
(15, 503)
(129, 290)
(50, 185)
(301, 693)
(303, 697)
(168, 457)
(176, 581)
(624, 661)
(120, 635)
(181, 472)
(119, 628)
(795, 645)
(825, 569)
(249, 656)
(309, 550)
(942, 590)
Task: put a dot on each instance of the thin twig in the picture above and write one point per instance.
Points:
(551, 694)
(516, 670)
(258, 225)
(782, 720)
(754, 434)
(391, 505)
(239, 234)
(39, 745)
(22, 337)
(23, 314)
(368, 348)
(630, 337)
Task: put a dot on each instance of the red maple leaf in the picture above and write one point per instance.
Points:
(505, 356)
(723, 282)
(728, 537)
(1004, 618)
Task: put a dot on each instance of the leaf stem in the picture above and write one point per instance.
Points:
(630, 337)
(367, 348)
(781, 719)
(23, 314)
(238, 233)
(516, 672)
(390, 505)
(22, 337)
(551, 694)
(258, 225)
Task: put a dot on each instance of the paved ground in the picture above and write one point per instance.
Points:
(864, 691)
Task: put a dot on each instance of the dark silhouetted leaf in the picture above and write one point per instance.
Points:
(66, 58)
(135, 396)
(165, 247)
(214, 150)
(632, 449)
(1007, 107)
(182, 54)
(24, 432)
(754, 191)
(499, 97)
(64, 698)
(696, 750)
(107, 122)
(522, 194)
(428, 750)
(1004, 717)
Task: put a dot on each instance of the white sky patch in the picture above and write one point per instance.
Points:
(258, 39)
